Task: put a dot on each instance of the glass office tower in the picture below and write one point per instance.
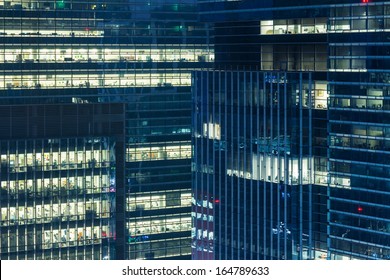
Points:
(253, 165)
(343, 44)
(359, 71)
(140, 53)
(61, 181)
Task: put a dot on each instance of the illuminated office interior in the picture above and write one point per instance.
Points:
(140, 53)
(55, 198)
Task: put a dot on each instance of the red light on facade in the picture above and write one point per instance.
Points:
(216, 201)
(360, 209)
(365, 1)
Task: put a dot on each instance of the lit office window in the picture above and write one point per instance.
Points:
(293, 26)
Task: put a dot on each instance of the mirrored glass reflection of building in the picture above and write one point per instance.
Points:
(140, 53)
(336, 141)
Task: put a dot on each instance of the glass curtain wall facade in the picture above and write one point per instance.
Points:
(58, 185)
(343, 44)
(253, 163)
(359, 147)
(137, 52)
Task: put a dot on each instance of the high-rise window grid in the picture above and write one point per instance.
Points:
(55, 198)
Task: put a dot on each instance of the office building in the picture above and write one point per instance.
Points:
(290, 132)
(60, 168)
(253, 162)
(140, 53)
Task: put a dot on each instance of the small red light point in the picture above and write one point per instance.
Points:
(217, 201)
(360, 209)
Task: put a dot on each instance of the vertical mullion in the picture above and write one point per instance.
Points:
(300, 164)
(271, 184)
(258, 164)
(286, 161)
(244, 166)
(310, 171)
(227, 128)
(251, 221)
(219, 163)
(278, 160)
(265, 249)
(232, 165)
(238, 168)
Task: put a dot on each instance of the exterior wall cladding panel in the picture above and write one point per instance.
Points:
(291, 147)
(140, 53)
